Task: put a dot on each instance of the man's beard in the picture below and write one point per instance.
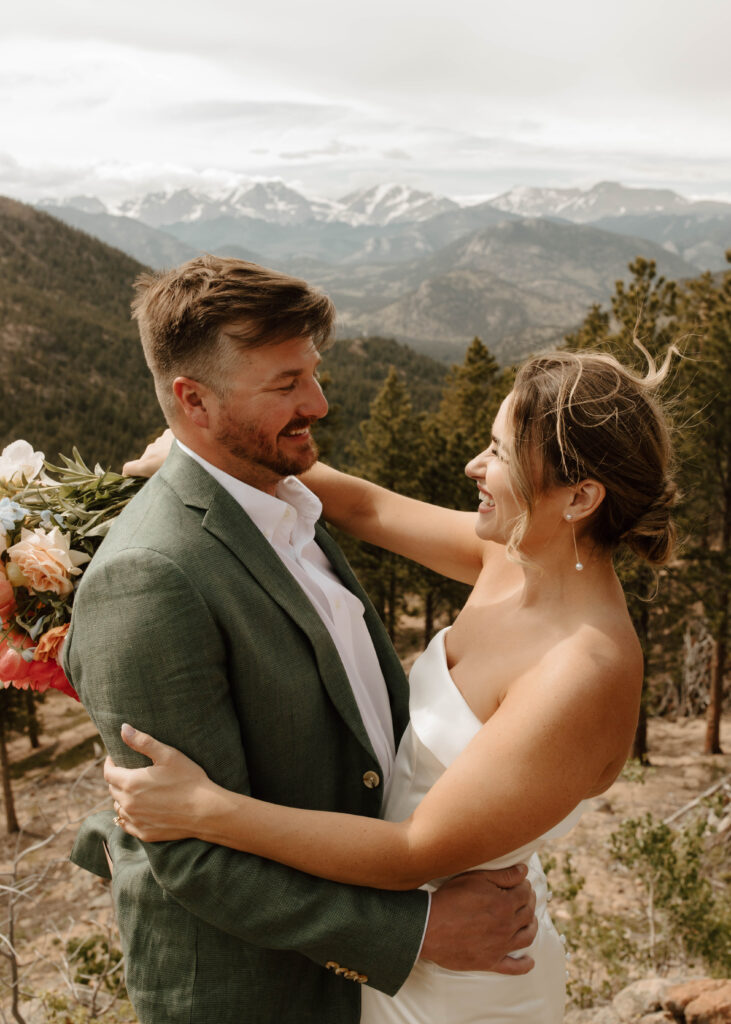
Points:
(246, 443)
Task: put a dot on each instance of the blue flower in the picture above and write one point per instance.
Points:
(49, 518)
(11, 513)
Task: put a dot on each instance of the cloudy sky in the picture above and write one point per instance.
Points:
(464, 98)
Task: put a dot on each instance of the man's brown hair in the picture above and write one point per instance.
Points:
(193, 320)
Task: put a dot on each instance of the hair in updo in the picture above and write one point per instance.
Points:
(583, 414)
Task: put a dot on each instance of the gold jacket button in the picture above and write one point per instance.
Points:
(362, 979)
(352, 975)
(341, 970)
(371, 779)
(331, 965)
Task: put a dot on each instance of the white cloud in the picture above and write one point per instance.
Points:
(336, 94)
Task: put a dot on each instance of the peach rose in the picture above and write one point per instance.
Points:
(50, 644)
(7, 598)
(46, 560)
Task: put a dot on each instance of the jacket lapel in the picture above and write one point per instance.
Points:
(224, 518)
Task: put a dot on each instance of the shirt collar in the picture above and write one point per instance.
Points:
(288, 517)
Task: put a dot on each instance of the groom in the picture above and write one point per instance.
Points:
(220, 617)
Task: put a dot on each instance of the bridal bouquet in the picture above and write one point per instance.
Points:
(52, 520)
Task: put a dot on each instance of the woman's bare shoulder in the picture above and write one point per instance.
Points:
(595, 668)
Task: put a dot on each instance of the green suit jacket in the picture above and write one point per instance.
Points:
(188, 626)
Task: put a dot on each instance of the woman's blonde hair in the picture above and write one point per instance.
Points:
(579, 415)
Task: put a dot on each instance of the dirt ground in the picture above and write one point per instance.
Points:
(59, 784)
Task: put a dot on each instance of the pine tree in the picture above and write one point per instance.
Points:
(645, 309)
(593, 333)
(471, 398)
(460, 429)
(705, 308)
(389, 455)
(696, 316)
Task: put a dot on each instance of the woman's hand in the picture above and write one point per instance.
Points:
(166, 800)
(152, 457)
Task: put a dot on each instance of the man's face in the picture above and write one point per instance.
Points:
(261, 423)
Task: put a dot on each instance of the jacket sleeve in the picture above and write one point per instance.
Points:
(144, 648)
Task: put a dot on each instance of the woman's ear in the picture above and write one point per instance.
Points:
(587, 497)
(193, 399)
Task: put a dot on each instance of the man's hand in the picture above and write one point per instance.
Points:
(478, 918)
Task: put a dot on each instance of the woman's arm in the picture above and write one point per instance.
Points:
(553, 737)
(442, 539)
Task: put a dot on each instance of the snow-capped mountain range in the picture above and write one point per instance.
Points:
(519, 270)
(385, 204)
(607, 199)
(270, 201)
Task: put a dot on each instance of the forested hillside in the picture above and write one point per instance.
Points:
(71, 367)
(354, 370)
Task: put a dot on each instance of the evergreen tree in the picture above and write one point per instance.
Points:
(461, 428)
(388, 455)
(471, 398)
(698, 316)
(593, 332)
(705, 314)
(645, 309)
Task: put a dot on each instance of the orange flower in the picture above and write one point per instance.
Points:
(49, 645)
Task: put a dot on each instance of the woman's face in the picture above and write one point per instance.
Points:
(499, 505)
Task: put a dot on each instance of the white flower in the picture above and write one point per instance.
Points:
(19, 460)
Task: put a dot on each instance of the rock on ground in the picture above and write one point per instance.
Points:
(641, 998)
(663, 1001)
(704, 1001)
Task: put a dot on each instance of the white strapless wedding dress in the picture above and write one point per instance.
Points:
(441, 726)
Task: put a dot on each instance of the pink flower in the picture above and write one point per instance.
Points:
(7, 598)
(46, 560)
(15, 671)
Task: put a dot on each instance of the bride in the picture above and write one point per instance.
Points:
(521, 711)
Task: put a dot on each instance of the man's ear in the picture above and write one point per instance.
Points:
(193, 400)
(587, 497)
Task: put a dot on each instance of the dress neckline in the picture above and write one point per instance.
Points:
(442, 635)
(440, 716)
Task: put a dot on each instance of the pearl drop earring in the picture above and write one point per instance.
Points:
(579, 565)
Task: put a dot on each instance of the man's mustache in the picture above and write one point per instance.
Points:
(300, 424)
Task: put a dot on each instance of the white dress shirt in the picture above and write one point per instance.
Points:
(287, 520)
